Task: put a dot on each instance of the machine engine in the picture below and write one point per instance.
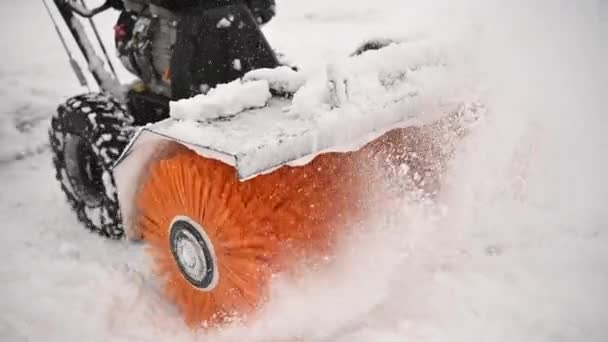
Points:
(144, 36)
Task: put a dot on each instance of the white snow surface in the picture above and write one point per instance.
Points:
(514, 249)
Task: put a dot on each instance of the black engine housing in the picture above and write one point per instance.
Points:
(179, 53)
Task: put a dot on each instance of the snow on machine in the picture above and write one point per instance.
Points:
(231, 165)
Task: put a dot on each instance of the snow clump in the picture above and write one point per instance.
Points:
(225, 100)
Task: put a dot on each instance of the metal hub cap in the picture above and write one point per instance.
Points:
(193, 253)
(83, 171)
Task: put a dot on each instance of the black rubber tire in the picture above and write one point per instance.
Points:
(87, 135)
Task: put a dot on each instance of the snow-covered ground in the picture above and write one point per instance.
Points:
(519, 252)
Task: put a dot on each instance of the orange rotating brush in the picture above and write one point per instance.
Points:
(216, 241)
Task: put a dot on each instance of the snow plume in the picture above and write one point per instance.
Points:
(514, 247)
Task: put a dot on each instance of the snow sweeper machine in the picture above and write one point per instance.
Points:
(231, 165)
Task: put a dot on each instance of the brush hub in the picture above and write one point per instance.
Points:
(193, 252)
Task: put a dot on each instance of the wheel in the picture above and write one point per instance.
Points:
(87, 135)
(215, 241)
